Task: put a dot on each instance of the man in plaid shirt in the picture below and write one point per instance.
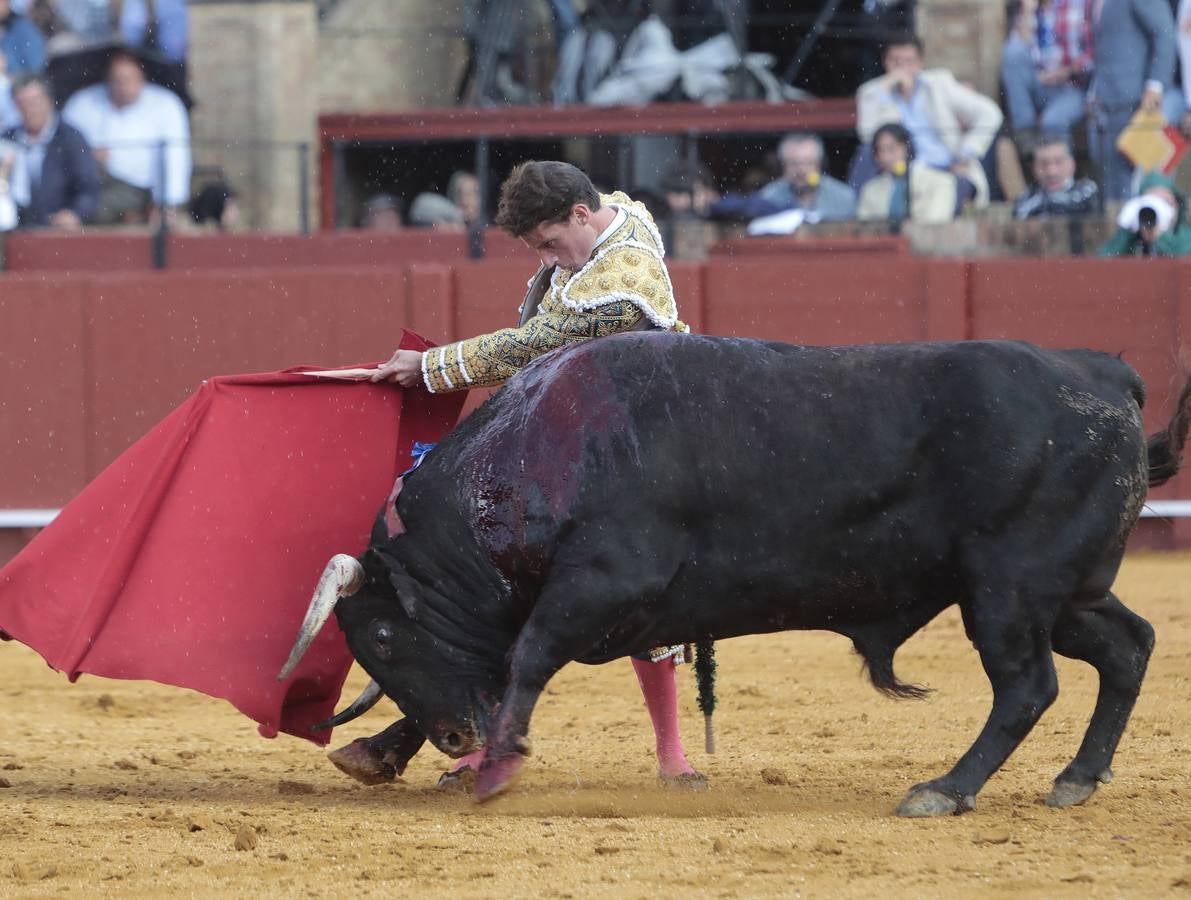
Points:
(1046, 67)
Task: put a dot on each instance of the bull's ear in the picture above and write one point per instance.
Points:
(407, 593)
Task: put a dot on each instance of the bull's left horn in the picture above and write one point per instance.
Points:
(342, 577)
(368, 698)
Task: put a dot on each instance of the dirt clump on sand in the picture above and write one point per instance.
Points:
(812, 763)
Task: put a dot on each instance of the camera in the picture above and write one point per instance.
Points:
(1150, 213)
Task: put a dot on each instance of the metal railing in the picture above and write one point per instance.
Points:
(25, 519)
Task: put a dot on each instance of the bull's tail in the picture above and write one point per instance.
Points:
(877, 654)
(1164, 450)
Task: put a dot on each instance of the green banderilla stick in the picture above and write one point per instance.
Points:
(705, 679)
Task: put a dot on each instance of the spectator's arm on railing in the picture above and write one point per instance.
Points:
(176, 131)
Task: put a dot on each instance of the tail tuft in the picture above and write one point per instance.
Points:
(1164, 450)
(879, 665)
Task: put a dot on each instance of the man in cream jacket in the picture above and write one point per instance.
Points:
(952, 126)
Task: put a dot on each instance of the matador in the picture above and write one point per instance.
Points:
(602, 271)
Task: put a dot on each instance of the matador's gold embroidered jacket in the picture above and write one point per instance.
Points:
(624, 281)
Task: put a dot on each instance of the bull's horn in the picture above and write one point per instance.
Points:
(342, 577)
(368, 698)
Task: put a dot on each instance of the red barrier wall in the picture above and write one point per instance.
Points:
(89, 361)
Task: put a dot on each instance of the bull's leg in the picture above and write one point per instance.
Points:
(660, 689)
(1012, 634)
(535, 658)
(382, 757)
(1117, 642)
(594, 593)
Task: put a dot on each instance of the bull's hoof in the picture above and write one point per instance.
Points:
(498, 775)
(359, 760)
(694, 782)
(460, 781)
(1069, 793)
(921, 803)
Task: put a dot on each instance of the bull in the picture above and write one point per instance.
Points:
(649, 489)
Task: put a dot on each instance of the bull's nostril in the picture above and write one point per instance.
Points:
(453, 740)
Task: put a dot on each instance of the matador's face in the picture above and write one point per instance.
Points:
(567, 244)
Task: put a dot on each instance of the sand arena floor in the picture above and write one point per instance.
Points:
(137, 790)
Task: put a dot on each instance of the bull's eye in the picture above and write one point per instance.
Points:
(382, 639)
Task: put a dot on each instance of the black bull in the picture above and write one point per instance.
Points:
(649, 489)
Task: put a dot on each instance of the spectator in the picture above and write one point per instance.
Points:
(1056, 190)
(497, 27)
(216, 207)
(804, 185)
(463, 189)
(1154, 223)
(1135, 57)
(382, 212)
(435, 211)
(54, 180)
(689, 190)
(951, 125)
(657, 206)
(1045, 68)
(41, 13)
(1184, 41)
(22, 44)
(161, 26)
(884, 17)
(131, 124)
(9, 116)
(906, 188)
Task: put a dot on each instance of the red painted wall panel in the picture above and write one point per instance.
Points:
(153, 338)
(45, 358)
(813, 301)
(488, 294)
(687, 280)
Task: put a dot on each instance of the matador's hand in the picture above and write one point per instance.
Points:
(404, 368)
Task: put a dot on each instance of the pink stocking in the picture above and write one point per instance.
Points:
(472, 759)
(660, 688)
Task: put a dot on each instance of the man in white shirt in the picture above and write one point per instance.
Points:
(141, 136)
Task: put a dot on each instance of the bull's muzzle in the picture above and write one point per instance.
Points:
(459, 743)
(342, 577)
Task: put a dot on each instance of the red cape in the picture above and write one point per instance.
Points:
(191, 559)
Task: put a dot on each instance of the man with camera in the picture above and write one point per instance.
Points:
(1153, 223)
